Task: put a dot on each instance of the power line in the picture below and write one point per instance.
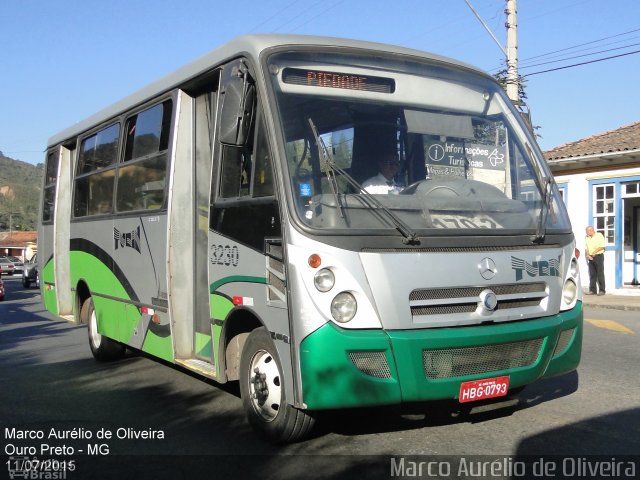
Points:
(564, 7)
(582, 63)
(588, 49)
(278, 12)
(580, 56)
(581, 44)
(528, 60)
(297, 16)
(331, 7)
(446, 25)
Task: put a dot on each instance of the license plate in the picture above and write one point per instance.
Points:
(482, 389)
(463, 221)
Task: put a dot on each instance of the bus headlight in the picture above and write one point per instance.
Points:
(344, 307)
(574, 270)
(569, 292)
(324, 280)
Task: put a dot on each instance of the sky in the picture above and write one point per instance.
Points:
(61, 61)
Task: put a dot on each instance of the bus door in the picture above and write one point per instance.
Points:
(46, 231)
(204, 124)
(245, 237)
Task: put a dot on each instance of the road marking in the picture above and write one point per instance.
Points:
(611, 325)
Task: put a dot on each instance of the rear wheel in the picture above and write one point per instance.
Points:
(263, 393)
(103, 349)
(25, 282)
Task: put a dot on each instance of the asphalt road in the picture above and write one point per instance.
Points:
(49, 381)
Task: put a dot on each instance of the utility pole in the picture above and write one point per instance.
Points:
(11, 214)
(511, 52)
(513, 81)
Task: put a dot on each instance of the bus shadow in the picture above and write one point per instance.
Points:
(16, 292)
(615, 434)
(441, 413)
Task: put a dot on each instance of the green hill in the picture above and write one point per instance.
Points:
(20, 185)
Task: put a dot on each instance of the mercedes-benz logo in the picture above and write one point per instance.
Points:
(487, 268)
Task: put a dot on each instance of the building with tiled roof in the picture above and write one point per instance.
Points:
(599, 178)
(609, 149)
(19, 244)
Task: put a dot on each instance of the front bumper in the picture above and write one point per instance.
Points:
(356, 368)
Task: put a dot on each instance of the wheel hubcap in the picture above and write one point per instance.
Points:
(96, 338)
(265, 386)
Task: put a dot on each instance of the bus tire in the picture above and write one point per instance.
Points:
(263, 393)
(103, 349)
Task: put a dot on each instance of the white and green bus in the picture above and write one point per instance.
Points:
(217, 220)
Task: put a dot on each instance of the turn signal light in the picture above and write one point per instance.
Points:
(315, 261)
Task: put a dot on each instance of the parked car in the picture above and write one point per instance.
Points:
(30, 273)
(6, 266)
(1, 290)
(17, 263)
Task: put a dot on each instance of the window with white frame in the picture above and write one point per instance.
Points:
(562, 189)
(631, 189)
(604, 211)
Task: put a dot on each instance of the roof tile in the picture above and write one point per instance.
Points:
(18, 238)
(621, 139)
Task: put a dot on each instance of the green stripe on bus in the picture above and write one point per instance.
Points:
(236, 279)
(47, 287)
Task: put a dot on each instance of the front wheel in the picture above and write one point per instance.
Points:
(263, 393)
(103, 349)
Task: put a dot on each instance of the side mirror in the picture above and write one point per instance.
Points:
(237, 110)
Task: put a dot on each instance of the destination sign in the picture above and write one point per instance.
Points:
(345, 81)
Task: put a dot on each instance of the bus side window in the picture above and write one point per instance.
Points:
(51, 177)
(141, 175)
(236, 172)
(95, 173)
(243, 210)
(263, 172)
(247, 171)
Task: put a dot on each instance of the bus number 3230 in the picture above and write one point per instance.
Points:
(225, 255)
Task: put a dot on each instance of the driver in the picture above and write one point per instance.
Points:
(384, 182)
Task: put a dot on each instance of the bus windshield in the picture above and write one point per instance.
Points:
(439, 148)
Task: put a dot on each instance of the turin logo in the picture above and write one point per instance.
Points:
(131, 239)
(539, 268)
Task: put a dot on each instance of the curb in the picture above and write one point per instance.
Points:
(612, 306)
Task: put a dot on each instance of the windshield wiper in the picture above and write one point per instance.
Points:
(325, 156)
(544, 208)
(545, 184)
(410, 237)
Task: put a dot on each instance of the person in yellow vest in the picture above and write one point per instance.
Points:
(595, 258)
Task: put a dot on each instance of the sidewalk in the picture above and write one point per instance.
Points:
(617, 300)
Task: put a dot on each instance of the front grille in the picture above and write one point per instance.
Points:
(443, 293)
(563, 341)
(483, 249)
(448, 301)
(444, 309)
(518, 303)
(484, 359)
(372, 363)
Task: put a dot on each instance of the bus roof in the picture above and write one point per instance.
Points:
(251, 45)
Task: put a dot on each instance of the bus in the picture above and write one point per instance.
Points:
(217, 220)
